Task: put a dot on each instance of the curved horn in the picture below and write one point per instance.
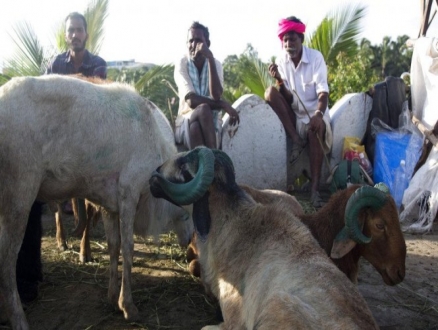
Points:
(190, 192)
(365, 196)
(382, 187)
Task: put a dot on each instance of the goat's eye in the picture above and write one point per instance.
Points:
(380, 226)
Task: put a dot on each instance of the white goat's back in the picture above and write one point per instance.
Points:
(77, 132)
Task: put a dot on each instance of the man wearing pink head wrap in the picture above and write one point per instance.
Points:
(301, 99)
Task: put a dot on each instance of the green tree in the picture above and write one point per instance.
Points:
(245, 74)
(351, 75)
(30, 58)
(391, 57)
(158, 85)
(338, 32)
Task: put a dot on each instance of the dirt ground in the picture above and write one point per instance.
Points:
(73, 296)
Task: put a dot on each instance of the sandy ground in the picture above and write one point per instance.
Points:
(413, 304)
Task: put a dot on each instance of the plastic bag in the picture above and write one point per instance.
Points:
(394, 145)
(354, 150)
(420, 199)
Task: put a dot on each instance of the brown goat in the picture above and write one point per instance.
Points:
(83, 227)
(387, 249)
(260, 261)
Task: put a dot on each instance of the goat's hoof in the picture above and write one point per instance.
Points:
(84, 259)
(191, 254)
(62, 247)
(195, 268)
(130, 313)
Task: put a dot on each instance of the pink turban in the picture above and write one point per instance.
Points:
(285, 26)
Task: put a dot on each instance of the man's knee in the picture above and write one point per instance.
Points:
(194, 127)
(270, 93)
(203, 108)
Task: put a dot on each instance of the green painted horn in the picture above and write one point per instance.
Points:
(190, 192)
(365, 196)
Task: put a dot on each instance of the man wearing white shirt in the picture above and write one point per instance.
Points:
(301, 100)
(199, 77)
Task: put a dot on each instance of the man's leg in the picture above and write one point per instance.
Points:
(284, 113)
(316, 157)
(202, 131)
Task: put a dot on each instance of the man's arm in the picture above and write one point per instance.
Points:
(194, 100)
(287, 94)
(100, 72)
(316, 121)
(100, 67)
(322, 102)
(215, 83)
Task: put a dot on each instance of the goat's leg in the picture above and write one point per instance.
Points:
(85, 252)
(127, 214)
(112, 232)
(80, 216)
(60, 231)
(12, 229)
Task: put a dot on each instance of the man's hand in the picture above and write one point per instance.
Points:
(316, 122)
(234, 116)
(202, 49)
(273, 71)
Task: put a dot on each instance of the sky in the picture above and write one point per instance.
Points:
(155, 31)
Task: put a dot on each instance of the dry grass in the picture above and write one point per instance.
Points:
(73, 296)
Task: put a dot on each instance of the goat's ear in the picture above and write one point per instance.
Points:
(342, 244)
(201, 217)
(341, 248)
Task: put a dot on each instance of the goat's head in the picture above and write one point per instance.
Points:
(372, 223)
(187, 178)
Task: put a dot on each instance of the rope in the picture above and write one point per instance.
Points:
(317, 134)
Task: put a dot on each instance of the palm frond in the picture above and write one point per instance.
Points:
(60, 42)
(338, 32)
(255, 75)
(95, 14)
(4, 79)
(29, 58)
(153, 76)
(232, 94)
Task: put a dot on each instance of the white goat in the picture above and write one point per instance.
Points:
(260, 261)
(61, 137)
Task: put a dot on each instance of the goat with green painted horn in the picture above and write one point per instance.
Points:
(196, 174)
(260, 261)
(361, 221)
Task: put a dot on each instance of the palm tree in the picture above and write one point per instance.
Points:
(31, 58)
(151, 84)
(391, 57)
(338, 32)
